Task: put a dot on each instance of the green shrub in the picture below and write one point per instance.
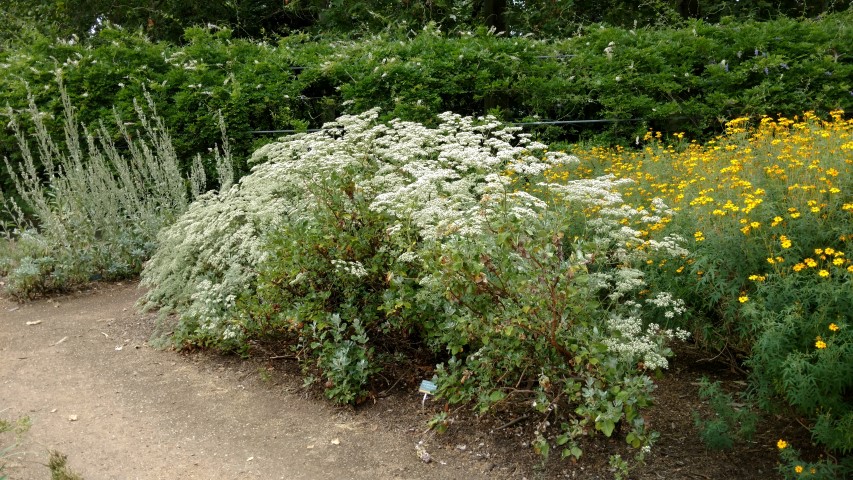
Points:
(546, 310)
(732, 422)
(689, 78)
(367, 235)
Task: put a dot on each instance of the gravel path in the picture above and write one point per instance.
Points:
(80, 367)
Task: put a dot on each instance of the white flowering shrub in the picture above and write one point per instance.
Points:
(421, 180)
(350, 241)
(549, 310)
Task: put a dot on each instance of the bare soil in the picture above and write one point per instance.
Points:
(81, 367)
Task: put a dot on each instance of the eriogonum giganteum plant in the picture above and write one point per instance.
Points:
(528, 288)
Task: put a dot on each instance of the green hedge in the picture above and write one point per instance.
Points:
(685, 79)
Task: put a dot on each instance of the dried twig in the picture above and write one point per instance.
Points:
(513, 422)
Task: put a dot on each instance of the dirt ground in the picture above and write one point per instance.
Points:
(81, 368)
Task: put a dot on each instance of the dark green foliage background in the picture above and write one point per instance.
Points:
(672, 79)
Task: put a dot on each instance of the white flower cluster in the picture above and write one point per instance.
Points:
(636, 345)
(672, 306)
(355, 269)
(670, 245)
(620, 282)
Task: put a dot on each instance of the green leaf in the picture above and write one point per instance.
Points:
(577, 452)
(606, 427)
(633, 440)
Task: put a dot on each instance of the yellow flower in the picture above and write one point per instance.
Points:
(798, 469)
(782, 444)
(823, 273)
(833, 327)
(818, 251)
(785, 241)
(743, 299)
(829, 250)
(799, 267)
(819, 343)
(754, 224)
(770, 260)
(838, 262)
(810, 262)
(850, 268)
(776, 221)
(795, 215)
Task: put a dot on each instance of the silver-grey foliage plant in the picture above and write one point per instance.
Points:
(91, 206)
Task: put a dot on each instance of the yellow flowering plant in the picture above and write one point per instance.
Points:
(769, 273)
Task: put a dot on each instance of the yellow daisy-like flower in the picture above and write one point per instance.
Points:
(798, 469)
(743, 299)
(810, 262)
(833, 327)
(785, 241)
(823, 273)
(782, 444)
(818, 251)
(776, 221)
(754, 224)
(829, 250)
(819, 344)
(838, 262)
(771, 260)
(799, 267)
